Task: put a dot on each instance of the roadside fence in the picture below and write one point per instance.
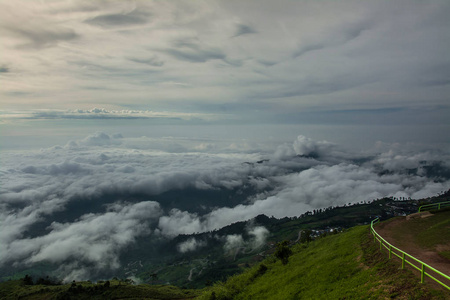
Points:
(434, 206)
(424, 269)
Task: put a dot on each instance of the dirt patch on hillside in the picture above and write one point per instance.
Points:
(407, 243)
(394, 282)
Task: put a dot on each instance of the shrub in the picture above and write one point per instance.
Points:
(283, 252)
(262, 269)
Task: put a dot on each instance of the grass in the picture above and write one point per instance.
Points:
(432, 231)
(445, 254)
(344, 266)
(429, 233)
(15, 289)
(348, 265)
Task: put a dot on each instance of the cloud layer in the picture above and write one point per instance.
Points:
(90, 199)
(103, 114)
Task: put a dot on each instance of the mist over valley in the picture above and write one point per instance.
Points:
(80, 208)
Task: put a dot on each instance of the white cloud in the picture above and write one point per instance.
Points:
(105, 114)
(180, 222)
(258, 236)
(190, 245)
(307, 146)
(93, 238)
(233, 241)
(104, 171)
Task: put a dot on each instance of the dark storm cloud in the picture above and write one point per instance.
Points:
(104, 114)
(57, 169)
(267, 63)
(354, 30)
(39, 37)
(191, 51)
(196, 55)
(318, 85)
(307, 48)
(152, 61)
(135, 17)
(242, 29)
(434, 75)
(336, 37)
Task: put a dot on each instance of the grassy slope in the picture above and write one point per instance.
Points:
(436, 232)
(344, 266)
(221, 266)
(16, 290)
(347, 265)
(429, 233)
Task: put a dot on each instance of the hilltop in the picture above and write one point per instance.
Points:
(330, 262)
(344, 266)
(210, 256)
(424, 235)
(347, 265)
(207, 258)
(111, 289)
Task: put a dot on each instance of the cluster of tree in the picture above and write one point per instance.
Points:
(28, 280)
(306, 236)
(283, 252)
(76, 290)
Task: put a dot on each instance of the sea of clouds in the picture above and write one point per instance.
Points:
(39, 190)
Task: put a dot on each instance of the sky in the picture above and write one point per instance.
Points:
(289, 106)
(346, 63)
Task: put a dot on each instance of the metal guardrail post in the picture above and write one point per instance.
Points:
(403, 260)
(434, 205)
(422, 275)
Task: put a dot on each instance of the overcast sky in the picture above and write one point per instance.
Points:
(339, 101)
(288, 62)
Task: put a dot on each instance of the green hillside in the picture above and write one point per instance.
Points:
(114, 289)
(347, 265)
(431, 233)
(343, 266)
(205, 265)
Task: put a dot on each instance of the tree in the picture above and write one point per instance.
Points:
(262, 269)
(154, 277)
(306, 236)
(283, 252)
(27, 280)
